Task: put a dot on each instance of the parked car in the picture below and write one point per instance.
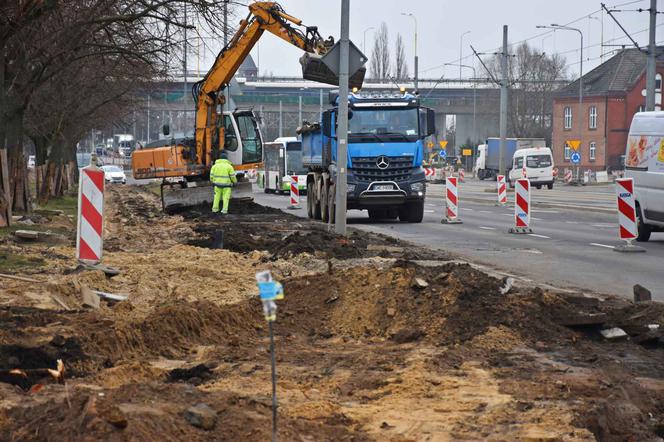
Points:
(536, 163)
(114, 174)
(644, 162)
(31, 162)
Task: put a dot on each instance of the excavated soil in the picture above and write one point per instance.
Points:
(371, 345)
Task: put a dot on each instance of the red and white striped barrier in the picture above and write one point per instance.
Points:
(628, 230)
(502, 190)
(89, 236)
(523, 172)
(521, 207)
(568, 176)
(429, 172)
(294, 193)
(462, 176)
(451, 201)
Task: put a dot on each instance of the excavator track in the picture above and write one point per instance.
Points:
(179, 196)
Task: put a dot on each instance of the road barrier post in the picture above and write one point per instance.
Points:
(451, 201)
(628, 230)
(294, 193)
(521, 207)
(568, 176)
(462, 176)
(90, 229)
(502, 190)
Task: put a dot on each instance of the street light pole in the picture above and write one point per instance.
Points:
(342, 127)
(364, 39)
(416, 61)
(461, 51)
(569, 28)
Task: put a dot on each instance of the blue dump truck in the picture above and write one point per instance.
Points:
(385, 151)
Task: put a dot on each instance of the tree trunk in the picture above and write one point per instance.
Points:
(18, 167)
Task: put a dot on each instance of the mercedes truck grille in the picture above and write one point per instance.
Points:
(382, 168)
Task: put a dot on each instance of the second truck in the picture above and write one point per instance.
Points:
(385, 151)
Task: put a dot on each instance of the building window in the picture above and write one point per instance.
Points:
(568, 118)
(658, 82)
(567, 153)
(593, 150)
(641, 108)
(592, 120)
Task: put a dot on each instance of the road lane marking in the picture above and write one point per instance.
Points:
(536, 219)
(467, 210)
(429, 211)
(539, 236)
(572, 222)
(544, 211)
(487, 228)
(601, 245)
(507, 214)
(485, 211)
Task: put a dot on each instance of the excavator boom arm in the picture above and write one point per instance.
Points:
(263, 16)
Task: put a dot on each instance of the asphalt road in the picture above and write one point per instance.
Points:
(574, 231)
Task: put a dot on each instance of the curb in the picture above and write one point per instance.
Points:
(539, 204)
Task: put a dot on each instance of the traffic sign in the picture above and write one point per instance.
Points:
(467, 152)
(575, 158)
(443, 154)
(443, 144)
(430, 144)
(574, 144)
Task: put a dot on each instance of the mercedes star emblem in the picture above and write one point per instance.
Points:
(382, 162)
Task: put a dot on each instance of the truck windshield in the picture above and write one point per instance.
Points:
(538, 161)
(384, 124)
(294, 159)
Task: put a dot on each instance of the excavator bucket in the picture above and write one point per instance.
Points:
(177, 198)
(314, 69)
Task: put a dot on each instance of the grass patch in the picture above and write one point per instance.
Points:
(12, 262)
(68, 204)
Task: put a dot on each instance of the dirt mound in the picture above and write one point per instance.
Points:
(149, 411)
(450, 304)
(239, 207)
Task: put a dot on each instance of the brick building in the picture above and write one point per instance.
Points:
(612, 93)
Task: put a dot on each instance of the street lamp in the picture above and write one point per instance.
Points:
(415, 20)
(569, 28)
(364, 39)
(474, 95)
(461, 51)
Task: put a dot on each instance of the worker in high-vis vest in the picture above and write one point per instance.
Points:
(222, 176)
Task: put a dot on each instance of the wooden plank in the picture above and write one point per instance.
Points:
(19, 278)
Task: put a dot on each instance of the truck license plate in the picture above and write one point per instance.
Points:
(383, 187)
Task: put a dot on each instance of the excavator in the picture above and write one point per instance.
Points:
(184, 164)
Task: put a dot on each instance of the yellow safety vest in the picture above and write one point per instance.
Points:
(222, 173)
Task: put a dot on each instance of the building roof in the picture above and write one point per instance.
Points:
(618, 74)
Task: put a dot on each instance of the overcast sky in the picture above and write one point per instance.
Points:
(440, 24)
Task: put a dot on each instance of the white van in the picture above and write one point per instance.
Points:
(535, 163)
(644, 161)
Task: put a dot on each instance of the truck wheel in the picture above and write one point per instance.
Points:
(412, 212)
(311, 200)
(644, 230)
(323, 203)
(539, 186)
(331, 206)
(550, 186)
(376, 214)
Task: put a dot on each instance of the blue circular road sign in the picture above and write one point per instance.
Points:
(575, 158)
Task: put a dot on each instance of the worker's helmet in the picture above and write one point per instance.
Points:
(223, 155)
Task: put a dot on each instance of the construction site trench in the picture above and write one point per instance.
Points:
(376, 339)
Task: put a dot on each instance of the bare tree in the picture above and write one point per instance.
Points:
(380, 54)
(532, 78)
(39, 40)
(400, 64)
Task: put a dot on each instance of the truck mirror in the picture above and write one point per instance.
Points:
(166, 129)
(350, 114)
(431, 122)
(326, 124)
